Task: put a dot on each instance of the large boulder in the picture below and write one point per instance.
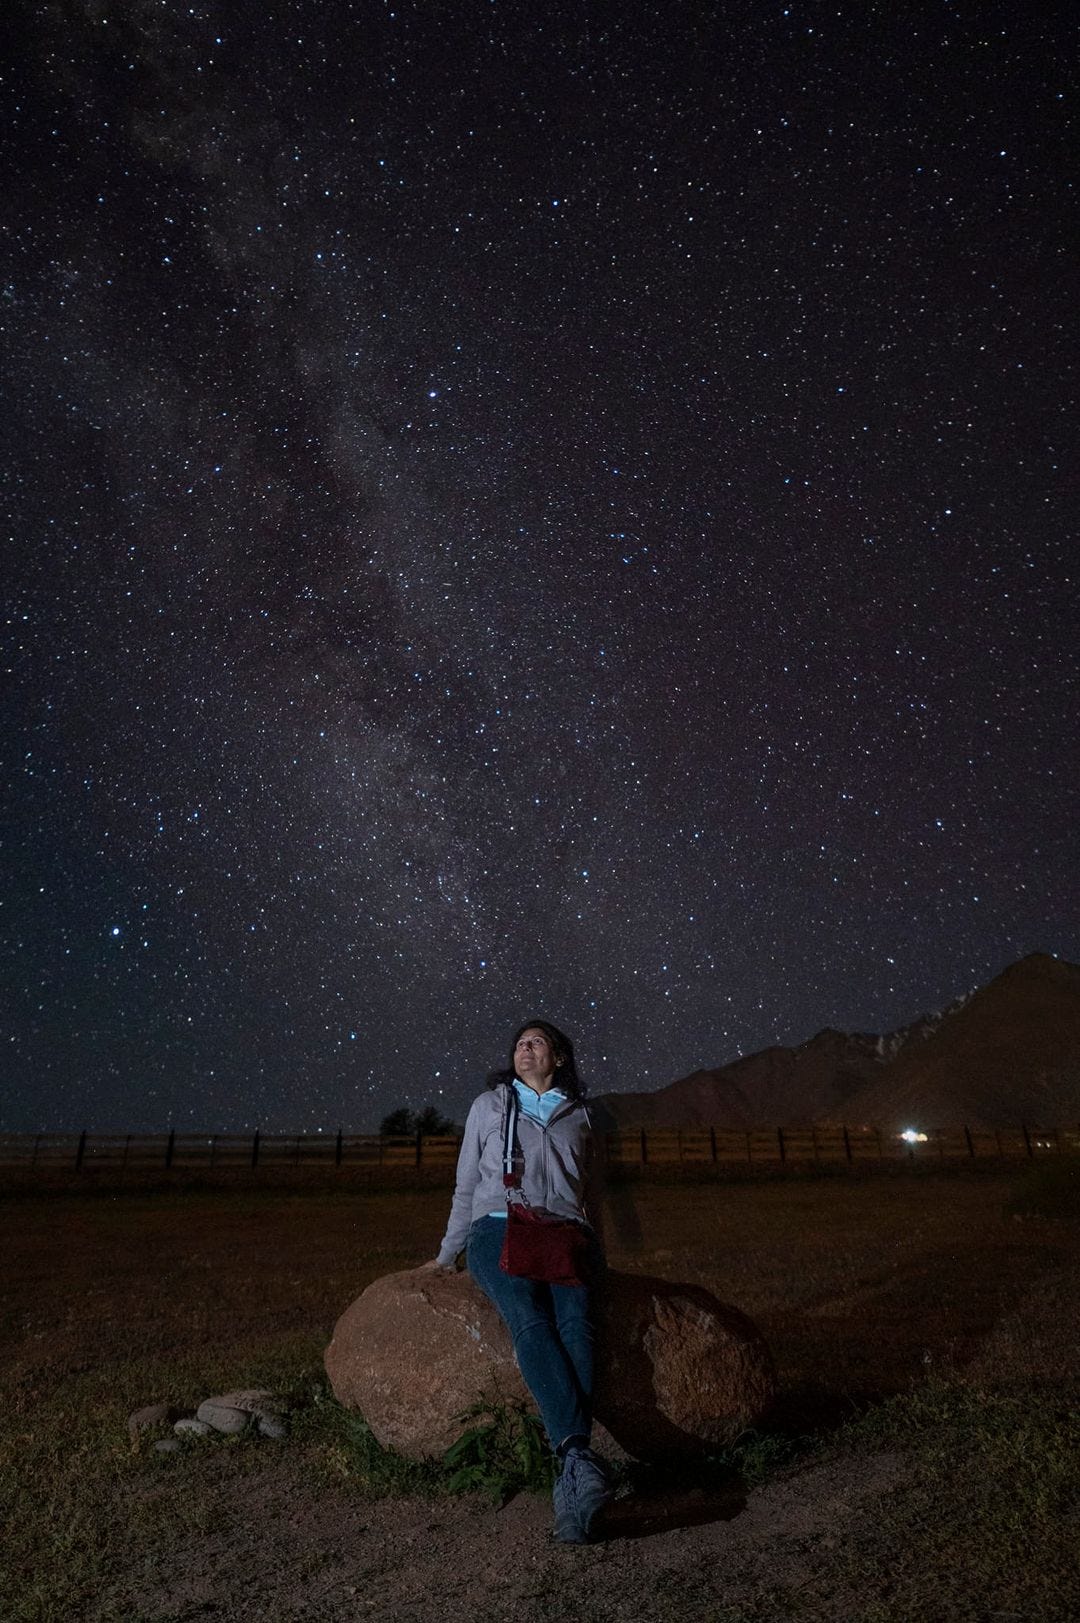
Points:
(678, 1372)
(416, 1350)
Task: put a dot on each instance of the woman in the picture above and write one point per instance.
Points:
(551, 1325)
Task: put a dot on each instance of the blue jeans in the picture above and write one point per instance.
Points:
(552, 1330)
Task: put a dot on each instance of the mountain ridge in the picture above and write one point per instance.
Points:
(1008, 1051)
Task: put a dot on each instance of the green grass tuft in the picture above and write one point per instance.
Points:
(503, 1453)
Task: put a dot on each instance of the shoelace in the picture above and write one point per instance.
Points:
(570, 1476)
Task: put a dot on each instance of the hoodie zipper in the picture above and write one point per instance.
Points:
(542, 1128)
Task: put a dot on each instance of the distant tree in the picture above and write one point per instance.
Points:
(403, 1123)
(400, 1123)
(432, 1124)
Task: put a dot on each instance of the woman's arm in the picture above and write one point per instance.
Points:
(596, 1185)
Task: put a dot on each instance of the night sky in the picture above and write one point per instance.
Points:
(525, 509)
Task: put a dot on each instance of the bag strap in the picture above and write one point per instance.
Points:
(510, 1177)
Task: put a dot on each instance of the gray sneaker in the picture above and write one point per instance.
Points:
(582, 1490)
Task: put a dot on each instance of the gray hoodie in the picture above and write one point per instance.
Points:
(558, 1168)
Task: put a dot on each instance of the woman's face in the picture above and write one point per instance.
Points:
(534, 1059)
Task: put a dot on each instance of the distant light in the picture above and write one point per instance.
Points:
(911, 1135)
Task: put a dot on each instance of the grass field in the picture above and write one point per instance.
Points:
(931, 1319)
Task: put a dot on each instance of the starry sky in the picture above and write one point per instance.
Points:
(525, 509)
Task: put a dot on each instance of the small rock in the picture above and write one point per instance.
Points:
(232, 1412)
(167, 1445)
(154, 1414)
(270, 1425)
(221, 1416)
(253, 1400)
(196, 1428)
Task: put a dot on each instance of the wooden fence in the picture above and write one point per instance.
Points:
(794, 1147)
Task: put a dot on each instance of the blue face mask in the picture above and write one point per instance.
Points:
(540, 1106)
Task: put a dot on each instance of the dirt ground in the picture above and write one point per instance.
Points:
(287, 1556)
(862, 1286)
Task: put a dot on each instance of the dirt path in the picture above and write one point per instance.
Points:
(286, 1555)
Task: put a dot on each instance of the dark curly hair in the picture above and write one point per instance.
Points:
(566, 1076)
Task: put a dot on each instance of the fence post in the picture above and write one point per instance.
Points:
(170, 1147)
(644, 1148)
(970, 1141)
(783, 1147)
(712, 1144)
(33, 1157)
(749, 1149)
(81, 1151)
(339, 1149)
(847, 1144)
(419, 1147)
(127, 1146)
(213, 1147)
(255, 1149)
(1027, 1138)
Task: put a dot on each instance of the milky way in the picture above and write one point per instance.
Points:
(526, 510)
